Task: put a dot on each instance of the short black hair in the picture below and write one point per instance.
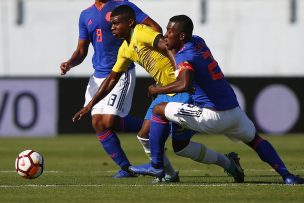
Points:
(186, 24)
(125, 10)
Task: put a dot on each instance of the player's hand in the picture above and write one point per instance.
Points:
(65, 67)
(81, 113)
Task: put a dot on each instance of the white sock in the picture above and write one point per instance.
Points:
(200, 153)
(145, 144)
(167, 165)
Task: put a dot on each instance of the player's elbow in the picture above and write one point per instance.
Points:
(83, 54)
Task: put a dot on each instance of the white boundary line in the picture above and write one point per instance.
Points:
(113, 171)
(152, 185)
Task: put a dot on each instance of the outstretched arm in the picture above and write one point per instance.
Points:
(77, 57)
(104, 89)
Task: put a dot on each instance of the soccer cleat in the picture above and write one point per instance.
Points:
(167, 178)
(235, 170)
(293, 180)
(147, 169)
(124, 174)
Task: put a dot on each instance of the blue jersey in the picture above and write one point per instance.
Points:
(211, 88)
(95, 25)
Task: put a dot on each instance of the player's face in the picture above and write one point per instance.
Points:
(172, 36)
(120, 27)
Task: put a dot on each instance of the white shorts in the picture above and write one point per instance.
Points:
(233, 123)
(118, 101)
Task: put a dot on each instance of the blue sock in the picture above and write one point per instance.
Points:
(268, 154)
(130, 124)
(111, 145)
(159, 132)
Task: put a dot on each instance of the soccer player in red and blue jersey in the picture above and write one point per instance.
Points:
(112, 112)
(215, 109)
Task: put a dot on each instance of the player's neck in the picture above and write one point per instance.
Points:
(128, 38)
(100, 3)
(180, 47)
(173, 51)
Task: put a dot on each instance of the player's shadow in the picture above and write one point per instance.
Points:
(222, 179)
(263, 179)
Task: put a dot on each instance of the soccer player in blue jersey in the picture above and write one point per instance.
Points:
(111, 113)
(216, 110)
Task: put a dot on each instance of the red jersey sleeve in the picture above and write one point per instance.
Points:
(185, 65)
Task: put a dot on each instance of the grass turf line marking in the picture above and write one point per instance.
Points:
(113, 171)
(152, 185)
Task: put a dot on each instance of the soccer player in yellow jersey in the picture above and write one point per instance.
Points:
(147, 48)
(139, 48)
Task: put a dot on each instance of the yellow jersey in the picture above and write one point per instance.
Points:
(141, 51)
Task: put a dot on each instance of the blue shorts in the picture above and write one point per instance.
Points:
(178, 97)
(177, 132)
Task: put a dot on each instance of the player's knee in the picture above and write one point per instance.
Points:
(256, 139)
(160, 109)
(101, 123)
(179, 145)
(97, 124)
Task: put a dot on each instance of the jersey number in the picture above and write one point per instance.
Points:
(214, 70)
(99, 35)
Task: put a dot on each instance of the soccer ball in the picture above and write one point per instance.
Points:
(29, 164)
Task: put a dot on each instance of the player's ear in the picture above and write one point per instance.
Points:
(182, 36)
(132, 22)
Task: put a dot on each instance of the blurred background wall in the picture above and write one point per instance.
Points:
(248, 37)
(259, 45)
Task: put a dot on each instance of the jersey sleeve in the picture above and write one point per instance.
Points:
(146, 35)
(184, 65)
(122, 62)
(83, 31)
(140, 15)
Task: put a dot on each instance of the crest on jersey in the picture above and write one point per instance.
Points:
(135, 48)
(108, 16)
(90, 22)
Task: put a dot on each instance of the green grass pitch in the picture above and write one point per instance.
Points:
(78, 170)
